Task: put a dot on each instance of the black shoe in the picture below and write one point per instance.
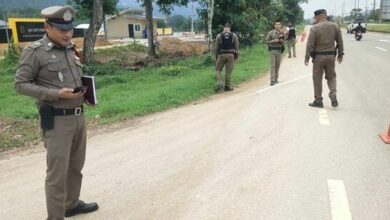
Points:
(219, 90)
(316, 104)
(228, 89)
(335, 103)
(272, 83)
(82, 208)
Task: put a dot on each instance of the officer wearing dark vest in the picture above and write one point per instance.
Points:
(226, 48)
(291, 40)
(325, 45)
(50, 71)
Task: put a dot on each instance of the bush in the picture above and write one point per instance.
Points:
(12, 55)
(173, 70)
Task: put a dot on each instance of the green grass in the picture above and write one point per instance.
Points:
(385, 28)
(124, 94)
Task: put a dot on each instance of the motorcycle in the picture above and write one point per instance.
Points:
(358, 35)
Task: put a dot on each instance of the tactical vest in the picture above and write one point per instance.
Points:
(291, 33)
(227, 41)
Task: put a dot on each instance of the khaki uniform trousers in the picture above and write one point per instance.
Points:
(276, 60)
(291, 45)
(66, 146)
(227, 61)
(324, 64)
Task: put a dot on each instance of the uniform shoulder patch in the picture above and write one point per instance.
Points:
(34, 45)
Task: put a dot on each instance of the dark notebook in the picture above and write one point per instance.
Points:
(90, 94)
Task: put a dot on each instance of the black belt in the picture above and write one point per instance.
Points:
(275, 48)
(325, 53)
(226, 52)
(64, 112)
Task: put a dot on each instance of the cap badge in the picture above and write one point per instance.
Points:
(60, 77)
(67, 16)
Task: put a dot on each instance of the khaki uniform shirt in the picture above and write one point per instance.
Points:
(324, 37)
(44, 69)
(218, 42)
(272, 35)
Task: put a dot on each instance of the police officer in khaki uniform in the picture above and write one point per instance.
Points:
(50, 70)
(226, 49)
(324, 40)
(275, 40)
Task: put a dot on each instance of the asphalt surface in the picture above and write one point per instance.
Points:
(256, 153)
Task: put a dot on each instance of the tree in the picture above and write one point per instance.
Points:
(166, 6)
(210, 14)
(149, 20)
(250, 19)
(178, 22)
(94, 9)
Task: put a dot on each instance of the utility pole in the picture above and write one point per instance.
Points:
(342, 12)
(380, 12)
(6, 24)
(374, 11)
(192, 17)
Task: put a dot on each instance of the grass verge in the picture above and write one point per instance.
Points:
(385, 28)
(125, 94)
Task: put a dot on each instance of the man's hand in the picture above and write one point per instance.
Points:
(67, 93)
(89, 104)
(340, 59)
(306, 63)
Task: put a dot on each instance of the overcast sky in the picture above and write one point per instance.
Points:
(334, 7)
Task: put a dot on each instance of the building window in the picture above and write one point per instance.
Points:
(137, 27)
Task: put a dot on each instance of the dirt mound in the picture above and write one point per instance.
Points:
(178, 47)
(100, 41)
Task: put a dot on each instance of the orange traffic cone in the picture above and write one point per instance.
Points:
(386, 137)
(303, 36)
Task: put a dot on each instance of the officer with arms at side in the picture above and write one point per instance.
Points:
(275, 40)
(226, 49)
(324, 40)
(50, 71)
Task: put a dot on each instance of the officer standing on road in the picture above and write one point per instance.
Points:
(291, 40)
(275, 40)
(49, 70)
(321, 47)
(226, 49)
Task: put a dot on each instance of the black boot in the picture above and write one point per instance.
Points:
(335, 103)
(317, 104)
(82, 208)
(219, 89)
(228, 89)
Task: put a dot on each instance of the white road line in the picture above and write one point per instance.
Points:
(387, 41)
(282, 84)
(338, 200)
(382, 49)
(324, 118)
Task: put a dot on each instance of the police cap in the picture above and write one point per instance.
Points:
(60, 16)
(320, 12)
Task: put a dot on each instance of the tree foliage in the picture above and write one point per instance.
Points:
(93, 10)
(84, 7)
(251, 19)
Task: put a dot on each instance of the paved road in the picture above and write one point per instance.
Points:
(258, 153)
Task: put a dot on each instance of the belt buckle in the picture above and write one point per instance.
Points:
(77, 111)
